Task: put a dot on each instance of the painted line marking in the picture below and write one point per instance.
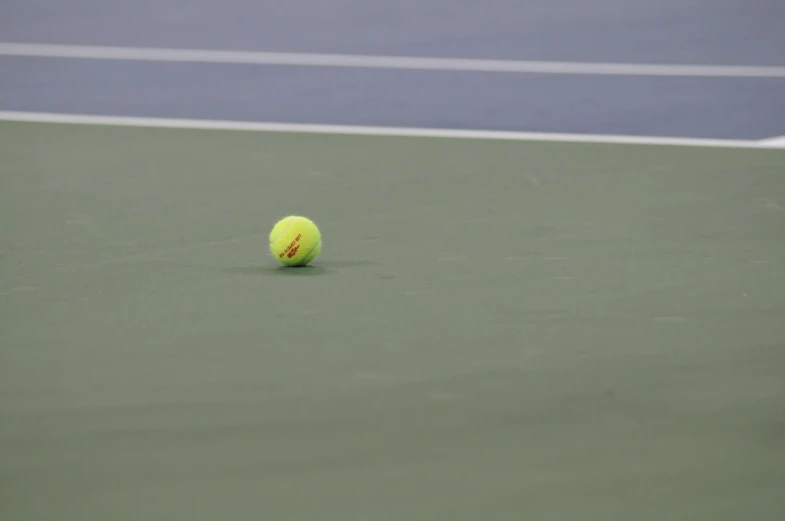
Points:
(196, 124)
(383, 62)
(774, 142)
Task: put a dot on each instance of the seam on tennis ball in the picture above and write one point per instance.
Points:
(312, 248)
(291, 223)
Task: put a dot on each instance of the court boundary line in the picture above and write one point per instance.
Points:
(774, 142)
(380, 131)
(41, 50)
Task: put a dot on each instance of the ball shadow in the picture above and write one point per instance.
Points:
(316, 269)
(278, 271)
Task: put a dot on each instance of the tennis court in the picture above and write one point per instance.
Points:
(543, 313)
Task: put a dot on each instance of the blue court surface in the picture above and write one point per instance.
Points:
(667, 32)
(551, 288)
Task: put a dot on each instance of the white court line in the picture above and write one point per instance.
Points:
(773, 142)
(194, 124)
(383, 62)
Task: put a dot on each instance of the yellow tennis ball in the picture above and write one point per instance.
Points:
(295, 241)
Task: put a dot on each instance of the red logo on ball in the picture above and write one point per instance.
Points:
(291, 250)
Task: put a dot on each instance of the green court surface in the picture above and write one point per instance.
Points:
(494, 330)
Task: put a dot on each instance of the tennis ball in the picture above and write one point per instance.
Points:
(295, 241)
